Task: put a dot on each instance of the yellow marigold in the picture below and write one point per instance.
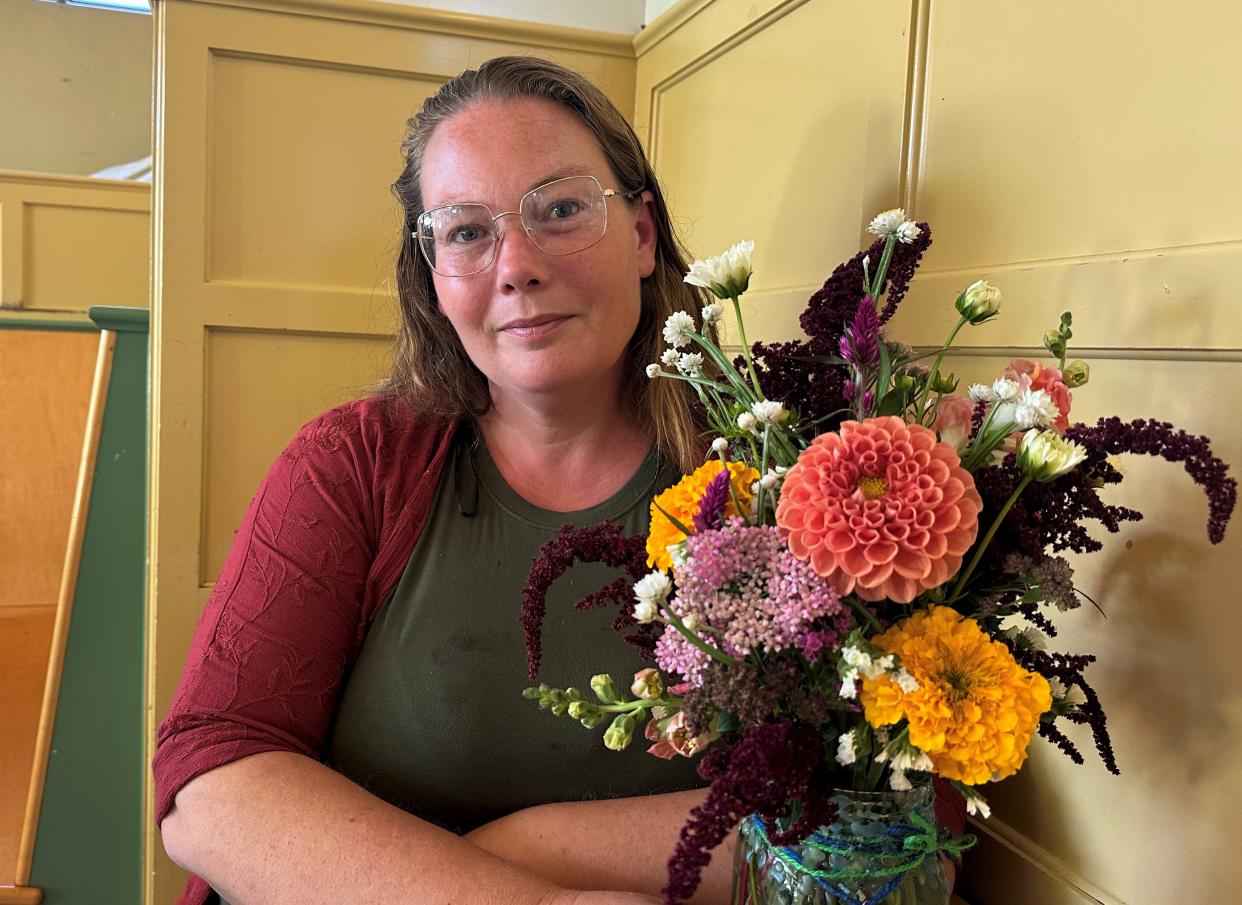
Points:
(681, 501)
(974, 710)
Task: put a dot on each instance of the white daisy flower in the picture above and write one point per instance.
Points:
(720, 444)
(691, 364)
(887, 223)
(677, 329)
(712, 312)
(979, 392)
(1035, 408)
(726, 275)
(670, 358)
(653, 587)
(645, 611)
(1004, 389)
(653, 370)
(1046, 455)
(768, 412)
(746, 421)
(907, 232)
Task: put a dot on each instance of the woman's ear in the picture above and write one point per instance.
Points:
(645, 232)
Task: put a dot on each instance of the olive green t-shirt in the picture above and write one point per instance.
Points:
(432, 718)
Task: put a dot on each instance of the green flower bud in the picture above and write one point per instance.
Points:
(1076, 374)
(595, 719)
(979, 302)
(944, 383)
(604, 688)
(617, 737)
(579, 709)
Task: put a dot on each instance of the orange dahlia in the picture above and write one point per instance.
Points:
(881, 509)
(974, 710)
(681, 501)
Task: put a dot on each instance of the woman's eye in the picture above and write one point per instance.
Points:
(563, 209)
(462, 235)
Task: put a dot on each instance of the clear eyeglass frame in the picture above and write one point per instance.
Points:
(423, 236)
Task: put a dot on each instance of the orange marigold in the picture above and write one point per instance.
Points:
(975, 709)
(681, 501)
(881, 509)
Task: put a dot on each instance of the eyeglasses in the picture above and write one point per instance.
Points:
(560, 217)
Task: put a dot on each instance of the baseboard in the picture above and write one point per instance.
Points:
(1007, 868)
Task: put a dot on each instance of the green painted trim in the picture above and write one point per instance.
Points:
(38, 323)
(114, 317)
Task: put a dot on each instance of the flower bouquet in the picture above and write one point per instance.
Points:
(852, 595)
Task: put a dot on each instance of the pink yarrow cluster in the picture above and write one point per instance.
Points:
(742, 581)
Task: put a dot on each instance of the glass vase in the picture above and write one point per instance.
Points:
(861, 858)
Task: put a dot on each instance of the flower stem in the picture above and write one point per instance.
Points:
(935, 368)
(741, 332)
(987, 539)
(713, 652)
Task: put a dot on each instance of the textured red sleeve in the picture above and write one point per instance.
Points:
(309, 566)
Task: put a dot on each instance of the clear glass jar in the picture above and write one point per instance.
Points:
(865, 839)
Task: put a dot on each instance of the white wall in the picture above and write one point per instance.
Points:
(655, 8)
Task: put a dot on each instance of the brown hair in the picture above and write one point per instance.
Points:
(431, 369)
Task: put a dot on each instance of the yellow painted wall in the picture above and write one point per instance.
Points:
(1081, 156)
(76, 93)
(279, 125)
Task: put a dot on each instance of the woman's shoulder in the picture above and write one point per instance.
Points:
(373, 429)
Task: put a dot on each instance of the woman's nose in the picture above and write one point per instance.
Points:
(519, 263)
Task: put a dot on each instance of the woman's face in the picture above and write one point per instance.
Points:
(533, 323)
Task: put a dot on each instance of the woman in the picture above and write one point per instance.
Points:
(351, 701)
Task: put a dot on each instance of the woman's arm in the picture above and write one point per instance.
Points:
(620, 843)
(279, 828)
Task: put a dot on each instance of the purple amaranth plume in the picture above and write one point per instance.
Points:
(1110, 436)
(1069, 669)
(602, 543)
(762, 772)
(713, 502)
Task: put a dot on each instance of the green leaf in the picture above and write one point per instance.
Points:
(676, 524)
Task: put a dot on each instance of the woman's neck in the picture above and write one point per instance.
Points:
(567, 455)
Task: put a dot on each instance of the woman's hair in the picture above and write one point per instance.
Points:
(431, 369)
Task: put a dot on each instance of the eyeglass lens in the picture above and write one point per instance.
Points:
(561, 217)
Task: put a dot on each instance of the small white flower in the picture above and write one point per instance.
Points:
(720, 444)
(768, 412)
(898, 783)
(855, 657)
(768, 481)
(691, 364)
(781, 470)
(979, 392)
(885, 663)
(754, 489)
(677, 329)
(670, 358)
(691, 621)
(727, 275)
(887, 223)
(849, 688)
(645, 611)
(1035, 408)
(1025, 639)
(975, 804)
(907, 232)
(1066, 695)
(653, 370)
(979, 302)
(712, 312)
(905, 681)
(653, 587)
(1004, 389)
(1046, 455)
(746, 421)
(846, 752)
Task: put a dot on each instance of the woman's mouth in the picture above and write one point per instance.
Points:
(534, 327)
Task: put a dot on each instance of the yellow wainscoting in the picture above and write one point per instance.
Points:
(70, 242)
(278, 125)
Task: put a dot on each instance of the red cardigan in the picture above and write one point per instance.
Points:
(324, 541)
